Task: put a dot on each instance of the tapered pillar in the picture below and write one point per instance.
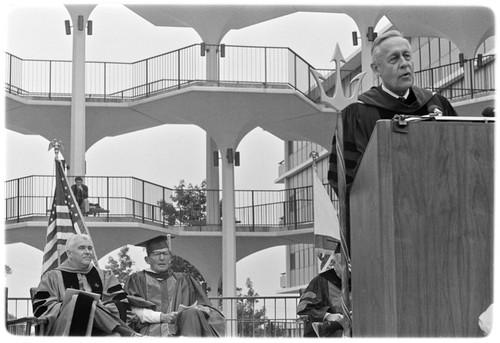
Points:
(212, 62)
(212, 171)
(228, 203)
(366, 58)
(364, 20)
(228, 238)
(79, 18)
(468, 66)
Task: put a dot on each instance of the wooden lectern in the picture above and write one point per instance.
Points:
(422, 230)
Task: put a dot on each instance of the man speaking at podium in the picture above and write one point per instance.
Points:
(392, 62)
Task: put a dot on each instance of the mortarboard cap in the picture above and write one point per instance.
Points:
(159, 242)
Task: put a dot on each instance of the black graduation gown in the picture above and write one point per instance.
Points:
(359, 121)
(322, 296)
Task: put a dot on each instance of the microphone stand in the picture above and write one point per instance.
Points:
(400, 121)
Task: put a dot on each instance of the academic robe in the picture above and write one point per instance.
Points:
(111, 309)
(359, 121)
(322, 296)
(165, 293)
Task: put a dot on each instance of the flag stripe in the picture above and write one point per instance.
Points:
(65, 220)
(55, 260)
(54, 246)
(325, 217)
(326, 224)
(58, 227)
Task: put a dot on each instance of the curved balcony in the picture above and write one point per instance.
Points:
(235, 66)
(120, 198)
(132, 209)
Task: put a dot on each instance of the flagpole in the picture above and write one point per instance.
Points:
(65, 217)
(338, 102)
(346, 261)
(314, 155)
(57, 145)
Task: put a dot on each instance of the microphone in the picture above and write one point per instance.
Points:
(435, 111)
(488, 111)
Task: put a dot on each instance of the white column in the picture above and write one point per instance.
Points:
(228, 204)
(468, 72)
(213, 283)
(78, 143)
(364, 19)
(212, 63)
(228, 241)
(366, 58)
(212, 177)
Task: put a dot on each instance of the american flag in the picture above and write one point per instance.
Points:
(326, 224)
(65, 220)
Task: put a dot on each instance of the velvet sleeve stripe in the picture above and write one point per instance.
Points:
(351, 159)
(39, 303)
(122, 307)
(120, 296)
(115, 288)
(41, 295)
(39, 309)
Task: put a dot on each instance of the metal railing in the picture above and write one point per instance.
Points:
(18, 307)
(115, 197)
(116, 81)
(450, 81)
(260, 316)
(235, 66)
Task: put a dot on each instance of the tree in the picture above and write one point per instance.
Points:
(251, 322)
(123, 267)
(181, 265)
(188, 207)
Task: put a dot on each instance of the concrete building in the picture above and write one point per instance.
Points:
(210, 94)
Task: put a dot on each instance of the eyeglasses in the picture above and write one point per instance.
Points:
(157, 254)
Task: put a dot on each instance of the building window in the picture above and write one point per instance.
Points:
(292, 261)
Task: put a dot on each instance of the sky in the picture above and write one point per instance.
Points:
(122, 39)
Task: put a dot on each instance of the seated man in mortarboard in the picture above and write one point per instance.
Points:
(159, 297)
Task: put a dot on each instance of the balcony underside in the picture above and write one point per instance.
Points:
(190, 241)
(222, 111)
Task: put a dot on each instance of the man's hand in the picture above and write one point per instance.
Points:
(132, 317)
(205, 310)
(334, 317)
(169, 318)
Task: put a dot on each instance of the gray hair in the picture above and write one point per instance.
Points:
(380, 39)
(72, 238)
